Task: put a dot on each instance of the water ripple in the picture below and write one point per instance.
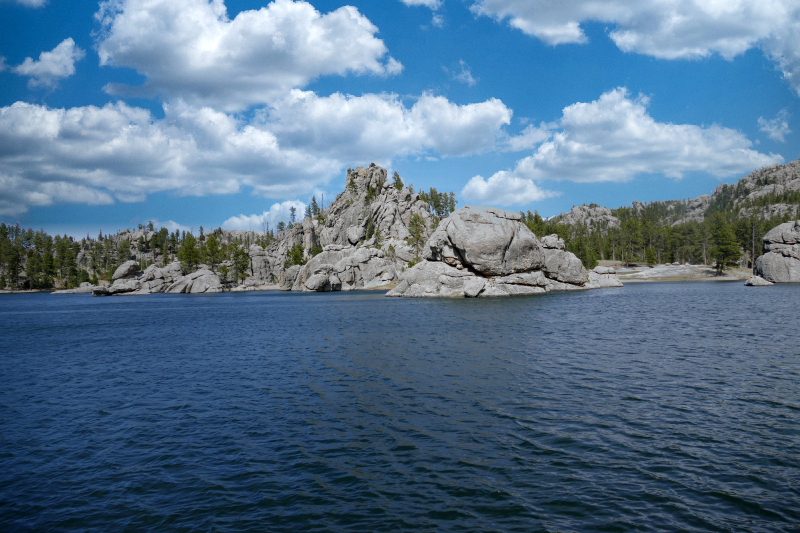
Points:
(653, 407)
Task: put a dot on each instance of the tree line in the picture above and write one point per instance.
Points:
(34, 260)
(646, 235)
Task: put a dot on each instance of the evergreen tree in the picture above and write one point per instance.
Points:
(294, 256)
(725, 248)
(213, 252)
(416, 229)
(241, 261)
(397, 182)
(188, 254)
(292, 215)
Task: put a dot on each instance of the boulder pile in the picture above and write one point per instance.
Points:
(485, 251)
(170, 279)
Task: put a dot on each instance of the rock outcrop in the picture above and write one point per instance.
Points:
(84, 288)
(202, 281)
(363, 234)
(484, 251)
(781, 260)
(758, 281)
(593, 217)
(154, 280)
(345, 269)
(126, 269)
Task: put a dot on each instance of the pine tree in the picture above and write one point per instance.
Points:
(725, 247)
(397, 182)
(416, 229)
(188, 253)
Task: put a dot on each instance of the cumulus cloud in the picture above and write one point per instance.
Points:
(52, 66)
(503, 188)
(122, 153)
(530, 137)
(192, 50)
(95, 155)
(278, 212)
(668, 29)
(464, 75)
(777, 128)
(380, 127)
(615, 139)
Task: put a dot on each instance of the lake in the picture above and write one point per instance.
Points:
(666, 406)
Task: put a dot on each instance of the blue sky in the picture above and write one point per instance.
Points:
(226, 113)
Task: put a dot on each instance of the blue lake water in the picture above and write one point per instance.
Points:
(671, 406)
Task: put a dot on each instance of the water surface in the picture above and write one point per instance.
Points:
(672, 406)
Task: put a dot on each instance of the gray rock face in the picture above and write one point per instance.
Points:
(153, 279)
(288, 277)
(757, 281)
(491, 241)
(781, 260)
(85, 288)
(481, 252)
(345, 269)
(592, 217)
(126, 269)
(603, 277)
(202, 281)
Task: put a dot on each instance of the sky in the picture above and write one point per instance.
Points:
(226, 113)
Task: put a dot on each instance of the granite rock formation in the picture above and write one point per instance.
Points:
(170, 279)
(758, 281)
(781, 260)
(485, 251)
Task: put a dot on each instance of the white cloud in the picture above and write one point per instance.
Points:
(94, 155)
(28, 3)
(192, 50)
(503, 188)
(614, 139)
(123, 153)
(278, 212)
(172, 226)
(667, 29)
(777, 128)
(380, 127)
(51, 66)
(3, 65)
(432, 4)
(463, 76)
(437, 20)
(530, 137)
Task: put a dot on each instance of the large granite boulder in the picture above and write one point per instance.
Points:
(781, 260)
(491, 241)
(126, 269)
(200, 282)
(479, 252)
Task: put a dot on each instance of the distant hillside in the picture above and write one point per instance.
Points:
(768, 193)
(683, 230)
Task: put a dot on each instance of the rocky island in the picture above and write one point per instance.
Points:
(370, 235)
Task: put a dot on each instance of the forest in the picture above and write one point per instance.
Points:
(648, 236)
